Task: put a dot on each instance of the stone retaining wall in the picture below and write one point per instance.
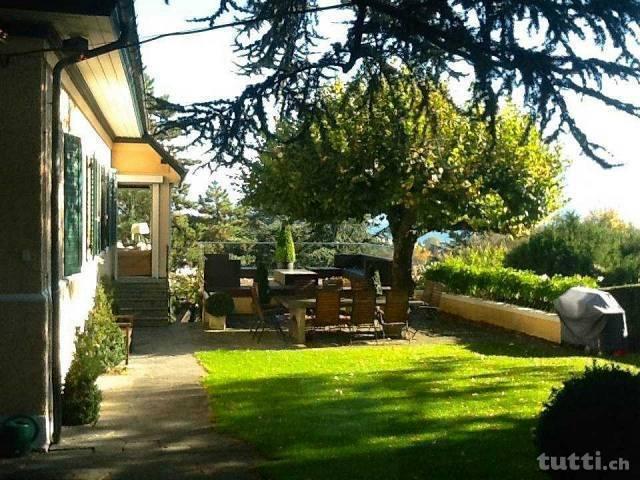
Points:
(535, 323)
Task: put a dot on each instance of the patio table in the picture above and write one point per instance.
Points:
(298, 312)
(291, 277)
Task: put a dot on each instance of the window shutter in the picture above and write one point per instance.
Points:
(113, 209)
(73, 221)
(104, 209)
(95, 207)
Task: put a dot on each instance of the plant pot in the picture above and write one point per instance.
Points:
(16, 436)
(290, 266)
(213, 322)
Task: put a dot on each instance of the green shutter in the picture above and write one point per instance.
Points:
(73, 221)
(113, 209)
(95, 206)
(104, 210)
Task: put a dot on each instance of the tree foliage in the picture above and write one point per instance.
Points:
(405, 151)
(599, 245)
(551, 50)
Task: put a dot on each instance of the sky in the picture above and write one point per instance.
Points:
(201, 67)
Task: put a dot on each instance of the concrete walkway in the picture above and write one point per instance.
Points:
(155, 423)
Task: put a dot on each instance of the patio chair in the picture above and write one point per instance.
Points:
(364, 313)
(326, 314)
(395, 316)
(266, 316)
(431, 297)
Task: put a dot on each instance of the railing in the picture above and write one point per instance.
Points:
(308, 254)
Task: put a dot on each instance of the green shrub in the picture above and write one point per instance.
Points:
(81, 396)
(285, 248)
(503, 284)
(99, 348)
(220, 304)
(486, 249)
(184, 288)
(597, 411)
(599, 245)
(104, 339)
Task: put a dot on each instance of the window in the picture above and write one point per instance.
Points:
(73, 221)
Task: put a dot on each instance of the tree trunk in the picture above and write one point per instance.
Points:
(404, 236)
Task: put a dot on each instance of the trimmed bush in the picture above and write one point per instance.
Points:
(104, 339)
(220, 304)
(81, 396)
(99, 348)
(501, 284)
(597, 411)
(285, 248)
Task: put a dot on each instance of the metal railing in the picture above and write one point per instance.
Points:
(317, 254)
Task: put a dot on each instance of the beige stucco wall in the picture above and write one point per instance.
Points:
(531, 322)
(24, 240)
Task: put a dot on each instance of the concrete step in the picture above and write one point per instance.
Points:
(150, 321)
(134, 295)
(145, 312)
(143, 298)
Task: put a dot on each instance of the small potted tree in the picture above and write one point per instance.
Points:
(217, 307)
(285, 248)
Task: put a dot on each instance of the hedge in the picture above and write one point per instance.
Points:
(502, 284)
(628, 296)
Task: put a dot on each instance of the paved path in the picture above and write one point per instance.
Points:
(155, 423)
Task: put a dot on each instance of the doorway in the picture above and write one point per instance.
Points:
(135, 251)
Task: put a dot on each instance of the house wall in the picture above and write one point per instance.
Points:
(77, 291)
(25, 185)
(25, 297)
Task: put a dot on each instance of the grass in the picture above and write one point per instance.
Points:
(435, 411)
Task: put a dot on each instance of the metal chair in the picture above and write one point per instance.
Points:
(364, 311)
(267, 315)
(431, 297)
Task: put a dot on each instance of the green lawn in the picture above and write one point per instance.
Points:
(463, 411)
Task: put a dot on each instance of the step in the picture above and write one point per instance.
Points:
(145, 312)
(150, 321)
(140, 300)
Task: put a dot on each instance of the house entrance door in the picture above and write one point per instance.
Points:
(135, 231)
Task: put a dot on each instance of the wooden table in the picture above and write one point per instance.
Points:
(298, 313)
(291, 277)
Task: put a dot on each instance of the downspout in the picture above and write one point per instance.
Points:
(56, 204)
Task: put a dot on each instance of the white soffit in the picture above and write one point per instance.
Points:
(105, 75)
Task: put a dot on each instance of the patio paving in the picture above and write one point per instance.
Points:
(155, 422)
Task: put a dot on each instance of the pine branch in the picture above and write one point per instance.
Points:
(282, 46)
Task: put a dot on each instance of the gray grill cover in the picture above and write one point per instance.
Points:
(584, 314)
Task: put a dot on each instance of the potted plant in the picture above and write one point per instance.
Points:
(217, 307)
(285, 248)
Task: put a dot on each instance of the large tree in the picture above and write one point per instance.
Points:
(405, 151)
(550, 50)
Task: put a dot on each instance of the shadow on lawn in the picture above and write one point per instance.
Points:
(431, 420)
(491, 340)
